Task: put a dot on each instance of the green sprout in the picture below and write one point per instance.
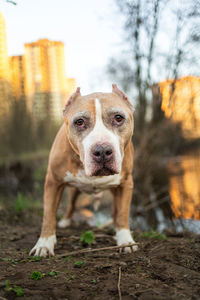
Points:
(18, 291)
(36, 275)
(52, 273)
(94, 281)
(87, 237)
(8, 287)
(35, 258)
(153, 235)
(78, 264)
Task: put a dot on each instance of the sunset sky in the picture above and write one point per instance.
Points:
(90, 30)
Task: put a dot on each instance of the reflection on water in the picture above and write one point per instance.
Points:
(185, 185)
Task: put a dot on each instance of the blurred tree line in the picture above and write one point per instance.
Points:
(161, 41)
(20, 132)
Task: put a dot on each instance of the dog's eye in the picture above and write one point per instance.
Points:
(118, 120)
(80, 123)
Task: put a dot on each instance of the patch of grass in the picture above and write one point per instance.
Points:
(20, 203)
(8, 287)
(36, 275)
(34, 258)
(23, 261)
(87, 237)
(94, 281)
(18, 291)
(52, 273)
(153, 235)
(78, 264)
(6, 259)
(15, 261)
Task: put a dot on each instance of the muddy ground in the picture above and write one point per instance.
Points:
(167, 268)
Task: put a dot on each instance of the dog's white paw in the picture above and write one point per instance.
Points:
(123, 237)
(44, 246)
(63, 223)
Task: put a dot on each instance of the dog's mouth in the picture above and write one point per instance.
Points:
(104, 171)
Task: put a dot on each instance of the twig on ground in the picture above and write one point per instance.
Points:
(118, 285)
(96, 249)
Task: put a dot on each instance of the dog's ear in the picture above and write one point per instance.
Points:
(122, 95)
(71, 99)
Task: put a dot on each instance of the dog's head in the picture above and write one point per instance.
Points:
(99, 127)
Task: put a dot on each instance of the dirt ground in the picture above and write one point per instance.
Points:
(167, 268)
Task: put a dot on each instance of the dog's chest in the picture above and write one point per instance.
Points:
(91, 185)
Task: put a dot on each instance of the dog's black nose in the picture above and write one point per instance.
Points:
(102, 153)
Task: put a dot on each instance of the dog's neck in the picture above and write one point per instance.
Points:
(94, 184)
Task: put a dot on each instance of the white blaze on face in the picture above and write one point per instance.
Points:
(100, 135)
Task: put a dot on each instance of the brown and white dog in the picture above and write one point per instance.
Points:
(92, 152)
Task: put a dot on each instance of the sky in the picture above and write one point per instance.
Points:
(90, 29)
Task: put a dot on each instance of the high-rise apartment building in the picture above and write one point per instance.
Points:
(45, 79)
(181, 103)
(39, 75)
(5, 87)
(17, 75)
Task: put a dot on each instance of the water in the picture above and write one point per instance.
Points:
(184, 189)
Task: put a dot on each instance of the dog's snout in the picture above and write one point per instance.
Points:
(102, 153)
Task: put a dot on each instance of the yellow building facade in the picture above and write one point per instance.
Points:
(45, 79)
(5, 87)
(39, 75)
(17, 76)
(4, 63)
(181, 103)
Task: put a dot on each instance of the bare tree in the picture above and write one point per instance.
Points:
(148, 24)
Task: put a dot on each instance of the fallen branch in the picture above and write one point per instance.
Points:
(118, 285)
(96, 249)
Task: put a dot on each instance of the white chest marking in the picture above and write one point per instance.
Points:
(93, 184)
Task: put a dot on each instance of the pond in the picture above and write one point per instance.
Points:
(184, 188)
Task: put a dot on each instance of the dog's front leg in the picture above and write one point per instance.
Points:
(121, 210)
(73, 194)
(52, 195)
